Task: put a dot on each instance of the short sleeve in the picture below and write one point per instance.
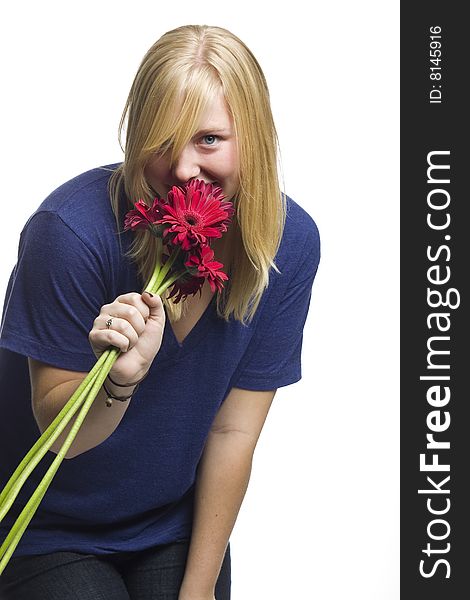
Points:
(54, 294)
(273, 357)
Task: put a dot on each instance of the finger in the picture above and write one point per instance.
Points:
(126, 312)
(101, 339)
(135, 299)
(121, 326)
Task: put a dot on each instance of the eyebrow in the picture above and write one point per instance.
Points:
(206, 131)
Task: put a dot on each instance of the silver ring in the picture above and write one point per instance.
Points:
(109, 322)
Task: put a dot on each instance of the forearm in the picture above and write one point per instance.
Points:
(222, 481)
(98, 425)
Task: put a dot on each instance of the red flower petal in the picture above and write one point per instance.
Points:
(200, 264)
(190, 217)
(195, 214)
(182, 288)
(142, 215)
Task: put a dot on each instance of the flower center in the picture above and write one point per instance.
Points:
(191, 218)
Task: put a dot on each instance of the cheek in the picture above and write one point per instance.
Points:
(229, 163)
(157, 170)
(231, 173)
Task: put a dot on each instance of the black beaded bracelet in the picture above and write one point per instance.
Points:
(127, 384)
(111, 397)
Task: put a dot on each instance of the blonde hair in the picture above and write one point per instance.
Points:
(174, 82)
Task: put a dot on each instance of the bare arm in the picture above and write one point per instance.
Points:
(137, 329)
(222, 481)
(52, 387)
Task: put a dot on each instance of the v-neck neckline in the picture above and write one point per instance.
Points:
(194, 334)
(171, 345)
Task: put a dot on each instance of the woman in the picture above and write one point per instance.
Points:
(145, 507)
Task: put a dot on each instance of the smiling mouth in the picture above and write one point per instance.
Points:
(214, 183)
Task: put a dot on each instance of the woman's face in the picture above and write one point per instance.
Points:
(211, 155)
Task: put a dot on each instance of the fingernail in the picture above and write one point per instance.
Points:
(151, 295)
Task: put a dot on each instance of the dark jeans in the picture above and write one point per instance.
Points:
(153, 574)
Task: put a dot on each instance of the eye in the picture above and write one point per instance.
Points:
(210, 140)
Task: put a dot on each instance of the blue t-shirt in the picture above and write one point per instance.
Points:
(134, 490)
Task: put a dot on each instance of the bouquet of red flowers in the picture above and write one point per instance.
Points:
(184, 224)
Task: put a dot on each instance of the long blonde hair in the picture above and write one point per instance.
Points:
(181, 72)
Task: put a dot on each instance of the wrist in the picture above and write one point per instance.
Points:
(116, 382)
(121, 396)
(122, 392)
(194, 591)
(197, 584)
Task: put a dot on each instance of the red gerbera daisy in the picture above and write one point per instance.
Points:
(143, 216)
(184, 287)
(201, 265)
(195, 214)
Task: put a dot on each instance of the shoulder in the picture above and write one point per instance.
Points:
(81, 206)
(82, 194)
(300, 239)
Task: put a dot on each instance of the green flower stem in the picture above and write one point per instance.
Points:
(37, 452)
(164, 270)
(82, 399)
(170, 281)
(11, 541)
(158, 265)
(14, 536)
(46, 440)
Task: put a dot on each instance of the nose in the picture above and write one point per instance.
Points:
(187, 165)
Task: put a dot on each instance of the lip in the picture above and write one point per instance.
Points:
(169, 186)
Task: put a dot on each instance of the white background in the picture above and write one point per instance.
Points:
(320, 520)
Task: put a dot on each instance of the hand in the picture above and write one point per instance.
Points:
(137, 324)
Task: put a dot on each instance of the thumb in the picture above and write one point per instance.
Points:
(155, 304)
